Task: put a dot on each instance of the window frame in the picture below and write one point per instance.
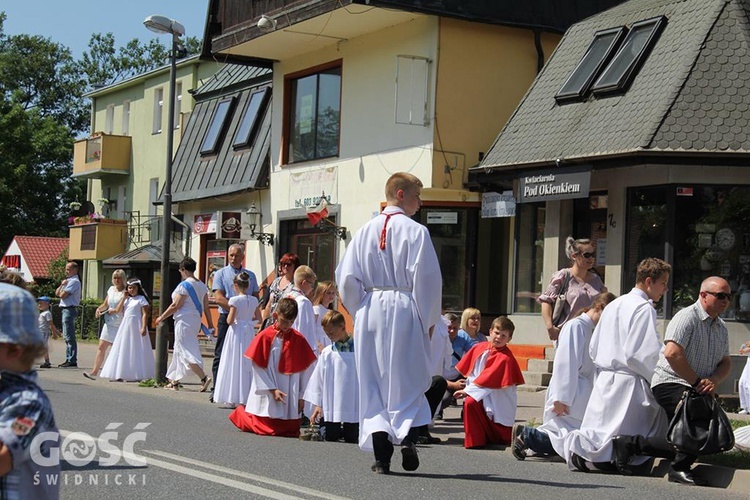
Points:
(252, 130)
(211, 148)
(158, 110)
(579, 93)
(289, 104)
(623, 82)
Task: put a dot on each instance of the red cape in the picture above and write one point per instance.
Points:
(500, 370)
(296, 354)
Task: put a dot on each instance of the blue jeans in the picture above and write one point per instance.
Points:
(537, 441)
(69, 334)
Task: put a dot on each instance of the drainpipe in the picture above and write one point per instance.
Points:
(539, 50)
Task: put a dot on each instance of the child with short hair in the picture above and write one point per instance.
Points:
(304, 284)
(25, 411)
(46, 327)
(280, 358)
(333, 387)
(492, 374)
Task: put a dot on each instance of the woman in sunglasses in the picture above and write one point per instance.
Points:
(579, 284)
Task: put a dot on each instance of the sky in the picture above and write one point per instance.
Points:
(72, 22)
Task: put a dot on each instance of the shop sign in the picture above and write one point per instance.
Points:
(204, 223)
(230, 225)
(560, 184)
(442, 217)
(498, 205)
(306, 188)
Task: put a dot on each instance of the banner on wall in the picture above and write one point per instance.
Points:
(204, 223)
(306, 188)
(498, 205)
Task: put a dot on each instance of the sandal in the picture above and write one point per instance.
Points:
(172, 386)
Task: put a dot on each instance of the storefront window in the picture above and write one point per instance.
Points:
(704, 231)
(530, 219)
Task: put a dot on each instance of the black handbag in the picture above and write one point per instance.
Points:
(700, 426)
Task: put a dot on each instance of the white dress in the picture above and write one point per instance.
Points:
(395, 295)
(572, 381)
(235, 370)
(333, 386)
(744, 388)
(624, 348)
(131, 357)
(320, 334)
(112, 321)
(187, 323)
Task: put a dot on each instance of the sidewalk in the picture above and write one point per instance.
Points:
(450, 429)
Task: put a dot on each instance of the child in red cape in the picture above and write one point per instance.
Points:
(280, 359)
(492, 374)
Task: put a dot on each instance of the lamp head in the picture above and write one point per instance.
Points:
(253, 217)
(266, 23)
(162, 24)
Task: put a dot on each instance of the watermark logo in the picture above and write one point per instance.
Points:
(80, 449)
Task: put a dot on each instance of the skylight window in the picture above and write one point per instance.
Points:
(597, 56)
(218, 126)
(619, 74)
(249, 124)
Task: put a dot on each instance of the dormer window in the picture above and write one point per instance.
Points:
(218, 127)
(249, 125)
(597, 56)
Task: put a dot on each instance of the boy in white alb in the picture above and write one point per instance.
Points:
(333, 387)
(304, 284)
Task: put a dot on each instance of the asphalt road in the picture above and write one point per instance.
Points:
(191, 450)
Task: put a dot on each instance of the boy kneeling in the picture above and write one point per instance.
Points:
(492, 374)
(281, 357)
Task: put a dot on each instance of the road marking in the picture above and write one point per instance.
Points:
(246, 475)
(257, 490)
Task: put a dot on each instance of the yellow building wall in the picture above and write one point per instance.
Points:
(483, 72)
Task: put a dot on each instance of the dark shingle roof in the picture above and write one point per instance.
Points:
(228, 171)
(691, 94)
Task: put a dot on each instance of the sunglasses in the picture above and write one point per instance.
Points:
(721, 295)
(588, 255)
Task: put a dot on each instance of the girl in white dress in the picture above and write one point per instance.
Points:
(744, 388)
(189, 303)
(322, 298)
(112, 320)
(234, 374)
(131, 357)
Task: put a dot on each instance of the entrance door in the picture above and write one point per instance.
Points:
(316, 248)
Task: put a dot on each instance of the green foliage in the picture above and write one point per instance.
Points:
(56, 273)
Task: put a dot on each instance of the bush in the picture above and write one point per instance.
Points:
(88, 325)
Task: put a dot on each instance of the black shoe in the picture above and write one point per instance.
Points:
(211, 398)
(685, 477)
(68, 364)
(517, 447)
(624, 448)
(579, 463)
(409, 457)
(46, 364)
(381, 468)
(428, 439)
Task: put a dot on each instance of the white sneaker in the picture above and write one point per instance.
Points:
(742, 412)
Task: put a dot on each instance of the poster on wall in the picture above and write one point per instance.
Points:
(215, 260)
(498, 205)
(306, 188)
(204, 224)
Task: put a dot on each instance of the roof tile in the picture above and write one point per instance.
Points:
(40, 251)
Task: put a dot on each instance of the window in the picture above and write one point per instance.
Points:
(158, 107)
(702, 230)
(177, 104)
(153, 195)
(126, 118)
(217, 127)
(620, 73)
(596, 57)
(249, 123)
(412, 87)
(109, 119)
(314, 115)
(88, 237)
(530, 219)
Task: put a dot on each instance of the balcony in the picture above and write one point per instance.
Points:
(97, 240)
(101, 155)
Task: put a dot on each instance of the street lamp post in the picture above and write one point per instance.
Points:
(161, 25)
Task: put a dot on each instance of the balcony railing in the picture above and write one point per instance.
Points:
(100, 155)
(97, 240)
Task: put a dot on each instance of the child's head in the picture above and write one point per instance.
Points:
(324, 293)
(501, 331)
(242, 282)
(20, 340)
(134, 287)
(304, 279)
(471, 319)
(43, 302)
(334, 325)
(285, 313)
